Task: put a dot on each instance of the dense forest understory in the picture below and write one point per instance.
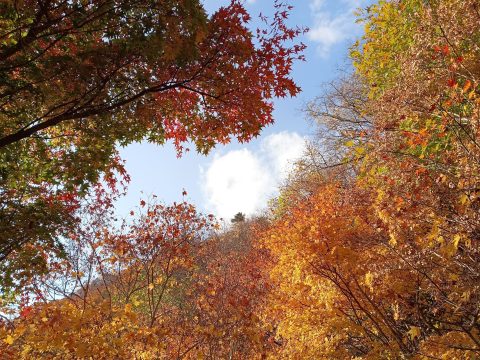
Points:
(370, 251)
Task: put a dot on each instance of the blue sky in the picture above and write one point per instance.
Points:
(242, 177)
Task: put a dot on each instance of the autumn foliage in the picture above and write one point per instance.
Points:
(370, 251)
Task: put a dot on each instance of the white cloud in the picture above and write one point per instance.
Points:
(281, 150)
(331, 27)
(243, 180)
(234, 181)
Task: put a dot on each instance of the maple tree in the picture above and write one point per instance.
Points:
(116, 67)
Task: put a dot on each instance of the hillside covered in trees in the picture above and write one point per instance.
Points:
(370, 251)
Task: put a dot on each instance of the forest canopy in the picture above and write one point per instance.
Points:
(370, 250)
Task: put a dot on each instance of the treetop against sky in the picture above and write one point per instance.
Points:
(241, 177)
